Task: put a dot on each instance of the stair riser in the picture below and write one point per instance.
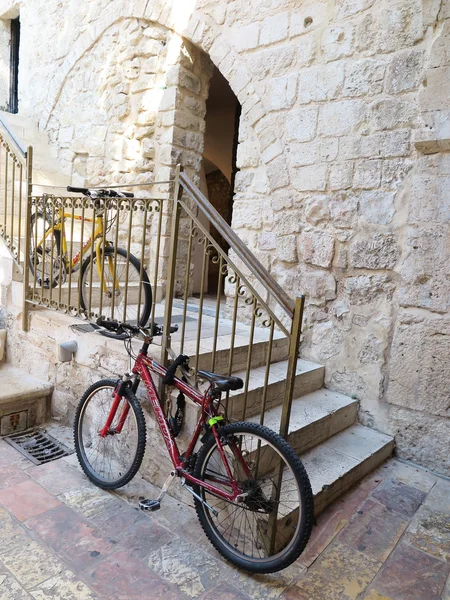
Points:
(325, 497)
(240, 357)
(305, 383)
(313, 434)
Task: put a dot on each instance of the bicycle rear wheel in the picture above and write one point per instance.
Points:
(111, 461)
(270, 527)
(125, 293)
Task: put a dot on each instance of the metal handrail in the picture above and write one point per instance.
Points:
(238, 246)
(12, 140)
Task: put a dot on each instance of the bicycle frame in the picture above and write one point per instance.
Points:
(97, 237)
(142, 367)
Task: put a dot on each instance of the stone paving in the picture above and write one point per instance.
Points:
(62, 538)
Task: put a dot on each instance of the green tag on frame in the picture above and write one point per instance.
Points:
(214, 420)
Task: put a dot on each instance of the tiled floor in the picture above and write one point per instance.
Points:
(62, 538)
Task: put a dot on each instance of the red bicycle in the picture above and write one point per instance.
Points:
(251, 491)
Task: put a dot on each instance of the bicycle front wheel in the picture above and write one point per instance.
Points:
(113, 460)
(117, 288)
(269, 527)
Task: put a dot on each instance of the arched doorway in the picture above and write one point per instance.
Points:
(219, 162)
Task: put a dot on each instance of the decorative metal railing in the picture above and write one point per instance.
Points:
(268, 328)
(15, 185)
(137, 259)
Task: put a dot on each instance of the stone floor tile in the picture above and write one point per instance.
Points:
(144, 537)
(11, 590)
(121, 576)
(71, 537)
(374, 595)
(10, 475)
(430, 531)
(57, 477)
(88, 501)
(65, 586)
(11, 457)
(27, 499)
(416, 477)
(12, 534)
(32, 563)
(329, 524)
(374, 530)
(350, 502)
(439, 497)
(410, 574)
(262, 587)
(188, 567)
(339, 574)
(399, 496)
(223, 591)
(446, 592)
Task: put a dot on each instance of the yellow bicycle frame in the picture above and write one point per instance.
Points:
(97, 238)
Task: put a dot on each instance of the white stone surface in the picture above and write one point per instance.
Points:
(352, 80)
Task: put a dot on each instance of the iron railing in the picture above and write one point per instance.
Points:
(267, 328)
(15, 181)
(88, 257)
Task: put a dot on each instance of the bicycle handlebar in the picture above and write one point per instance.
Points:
(170, 374)
(118, 327)
(99, 193)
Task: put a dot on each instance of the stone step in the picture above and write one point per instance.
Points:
(315, 417)
(309, 378)
(258, 357)
(24, 400)
(341, 461)
(333, 467)
(17, 122)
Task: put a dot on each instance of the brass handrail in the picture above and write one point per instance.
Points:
(238, 246)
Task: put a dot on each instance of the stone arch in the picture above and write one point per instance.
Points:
(206, 35)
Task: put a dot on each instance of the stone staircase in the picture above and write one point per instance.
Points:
(46, 170)
(336, 450)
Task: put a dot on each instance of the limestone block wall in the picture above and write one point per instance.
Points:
(343, 149)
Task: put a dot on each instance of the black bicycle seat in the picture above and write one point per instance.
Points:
(222, 382)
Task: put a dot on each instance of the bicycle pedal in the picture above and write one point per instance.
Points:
(148, 504)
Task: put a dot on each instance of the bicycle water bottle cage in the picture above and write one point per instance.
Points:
(181, 360)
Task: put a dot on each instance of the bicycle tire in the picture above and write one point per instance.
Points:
(281, 558)
(146, 296)
(57, 239)
(80, 447)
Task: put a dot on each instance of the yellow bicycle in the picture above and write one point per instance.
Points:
(112, 282)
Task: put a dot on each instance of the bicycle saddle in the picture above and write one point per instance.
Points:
(222, 382)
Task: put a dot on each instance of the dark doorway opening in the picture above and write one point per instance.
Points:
(219, 157)
(14, 66)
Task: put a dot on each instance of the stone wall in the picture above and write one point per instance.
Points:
(342, 191)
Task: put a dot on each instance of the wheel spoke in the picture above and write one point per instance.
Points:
(266, 524)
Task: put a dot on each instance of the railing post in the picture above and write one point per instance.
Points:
(26, 254)
(294, 346)
(171, 270)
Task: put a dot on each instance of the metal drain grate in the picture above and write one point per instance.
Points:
(38, 446)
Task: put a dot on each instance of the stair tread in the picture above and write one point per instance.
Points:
(307, 409)
(17, 384)
(337, 456)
